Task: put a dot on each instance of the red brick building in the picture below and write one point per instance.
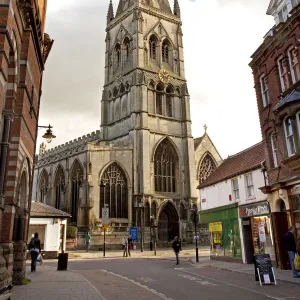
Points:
(24, 48)
(276, 70)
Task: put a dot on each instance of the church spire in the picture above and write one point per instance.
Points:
(176, 8)
(110, 13)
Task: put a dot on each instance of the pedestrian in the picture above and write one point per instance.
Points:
(35, 249)
(290, 245)
(176, 247)
(123, 241)
(130, 244)
(88, 241)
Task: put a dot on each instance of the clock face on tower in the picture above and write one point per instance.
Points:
(164, 76)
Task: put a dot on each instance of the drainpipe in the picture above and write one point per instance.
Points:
(4, 154)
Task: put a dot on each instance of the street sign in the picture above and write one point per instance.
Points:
(106, 226)
(105, 214)
(134, 233)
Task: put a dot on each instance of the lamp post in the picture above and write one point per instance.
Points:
(152, 227)
(49, 134)
(141, 206)
(195, 220)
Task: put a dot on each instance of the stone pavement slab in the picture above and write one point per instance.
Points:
(283, 275)
(49, 284)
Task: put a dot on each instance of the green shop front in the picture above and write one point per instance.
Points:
(223, 225)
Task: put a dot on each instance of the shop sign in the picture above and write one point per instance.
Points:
(254, 210)
(215, 227)
(295, 189)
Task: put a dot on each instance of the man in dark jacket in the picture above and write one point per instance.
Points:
(176, 247)
(35, 249)
(290, 246)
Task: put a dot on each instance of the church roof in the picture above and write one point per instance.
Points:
(162, 5)
(242, 162)
(42, 210)
(197, 141)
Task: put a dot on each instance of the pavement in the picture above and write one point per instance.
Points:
(282, 275)
(148, 277)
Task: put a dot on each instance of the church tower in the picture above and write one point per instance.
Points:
(146, 106)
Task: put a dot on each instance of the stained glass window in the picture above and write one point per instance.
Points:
(207, 167)
(164, 168)
(114, 192)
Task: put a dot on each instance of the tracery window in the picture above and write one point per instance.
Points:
(152, 47)
(165, 51)
(165, 168)
(118, 55)
(159, 100)
(43, 186)
(207, 167)
(126, 47)
(59, 185)
(114, 193)
(169, 106)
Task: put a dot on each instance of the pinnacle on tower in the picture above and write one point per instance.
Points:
(176, 8)
(110, 13)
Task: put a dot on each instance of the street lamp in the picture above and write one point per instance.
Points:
(195, 220)
(48, 135)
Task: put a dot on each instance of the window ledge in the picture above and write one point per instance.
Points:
(251, 198)
(293, 162)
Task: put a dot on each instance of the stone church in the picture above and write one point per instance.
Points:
(144, 163)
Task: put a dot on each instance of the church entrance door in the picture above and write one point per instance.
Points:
(168, 223)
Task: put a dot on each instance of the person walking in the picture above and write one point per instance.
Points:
(290, 246)
(35, 249)
(88, 242)
(176, 247)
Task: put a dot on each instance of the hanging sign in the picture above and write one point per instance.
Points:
(264, 272)
(105, 214)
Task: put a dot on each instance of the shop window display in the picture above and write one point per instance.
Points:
(263, 241)
(225, 239)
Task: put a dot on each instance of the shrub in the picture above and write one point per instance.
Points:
(71, 232)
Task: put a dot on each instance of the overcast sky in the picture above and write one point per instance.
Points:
(219, 38)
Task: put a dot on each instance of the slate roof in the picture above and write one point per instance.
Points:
(42, 210)
(242, 162)
(293, 96)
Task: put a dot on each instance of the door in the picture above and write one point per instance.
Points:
(280, 224)
(248, 242)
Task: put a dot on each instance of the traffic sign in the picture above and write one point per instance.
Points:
(105, 214)
(106, 226)
(134, 233)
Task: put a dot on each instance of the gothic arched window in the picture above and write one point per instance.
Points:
(113, 192)
(59, 185)
(207, 167)
(159, 99)
(165, 168)
(117, 55)
(76, 179)
(126, 49)
(152, 46)
(169, 106)
(165, 51)
(43, 186)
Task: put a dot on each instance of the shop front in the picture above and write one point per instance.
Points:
(295, 205)
(223, 227)
(256, 231)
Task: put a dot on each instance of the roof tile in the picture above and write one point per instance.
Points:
(43, 210)
(242, 162)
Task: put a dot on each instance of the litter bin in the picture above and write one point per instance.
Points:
(62, 262)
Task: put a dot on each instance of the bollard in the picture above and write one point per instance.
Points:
(62, 261)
